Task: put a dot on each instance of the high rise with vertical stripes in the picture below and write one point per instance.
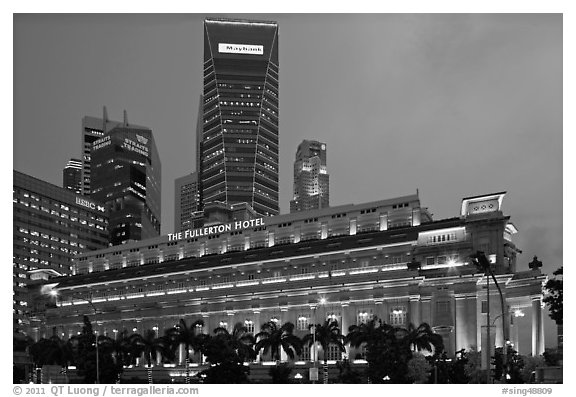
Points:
(238, 139)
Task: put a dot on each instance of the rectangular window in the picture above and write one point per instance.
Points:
(363, 316)
(398, 315)
(334, 352)
(249, 324)
(302, 323)
(305, 355)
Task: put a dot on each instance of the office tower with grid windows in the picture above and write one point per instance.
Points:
(126, 177)
(311, 179)
(185, 201)
(72, 176)
(238, 140)
(51, 225)
(93, 128)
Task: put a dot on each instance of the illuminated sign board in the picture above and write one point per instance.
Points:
(102, 142)
(210, 230)
(138, 147)
(240, 49)
(89, 204)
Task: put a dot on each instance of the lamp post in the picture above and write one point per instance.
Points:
(321, 301)
(482, 263)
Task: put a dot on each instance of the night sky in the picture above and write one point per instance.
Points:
(453, 105)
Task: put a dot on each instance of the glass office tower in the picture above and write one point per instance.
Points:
(311, 179)
(238, 141)
(126, 177)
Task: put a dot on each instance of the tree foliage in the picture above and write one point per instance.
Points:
(271, 338)
(388, 348)
(555, 297)
(418, 369)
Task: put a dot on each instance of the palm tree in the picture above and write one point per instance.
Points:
(150, 346)
(182, 334)
(367, 333)
(45, 352)
(271, 338)
(52, 351)
(378, 337)
(120, 350)
(420, 338)
(240, 341)
(325, 334)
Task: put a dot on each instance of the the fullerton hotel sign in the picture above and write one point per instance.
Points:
(211, 230)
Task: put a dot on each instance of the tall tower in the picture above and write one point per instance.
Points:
(126, 177)
(93, 128)
(238, 141)
(311, 179)
(186, 201)
(72, 176)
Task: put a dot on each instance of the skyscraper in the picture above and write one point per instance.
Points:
(186, 201)
(311, 179)
(238, 142)
(126, 177)
(51, 225)
(93, 128)
(72, 176)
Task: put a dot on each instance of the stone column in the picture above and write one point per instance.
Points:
(283, 320)
(257, 325)
(537, 334)
(380, 310)
(345, 324)
(472, 322)
(460, 323)
(414, 311)
(426, 310)
(514, 333)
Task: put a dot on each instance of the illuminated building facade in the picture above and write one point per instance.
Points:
(311, 179)
(51, 225)
(126, 177)
(72, 176)
(386, 258)
(186, 201)
(94, 128)
(238, 142)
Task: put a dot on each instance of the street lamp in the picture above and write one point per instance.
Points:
(482, 263)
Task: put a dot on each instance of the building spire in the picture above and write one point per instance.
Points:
(104, 118)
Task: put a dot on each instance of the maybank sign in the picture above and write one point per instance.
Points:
(211, 230)
(240, 49)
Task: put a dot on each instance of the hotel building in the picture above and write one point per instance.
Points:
(386, 258)
(311, 179)
(238, 140)
(51, 225)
